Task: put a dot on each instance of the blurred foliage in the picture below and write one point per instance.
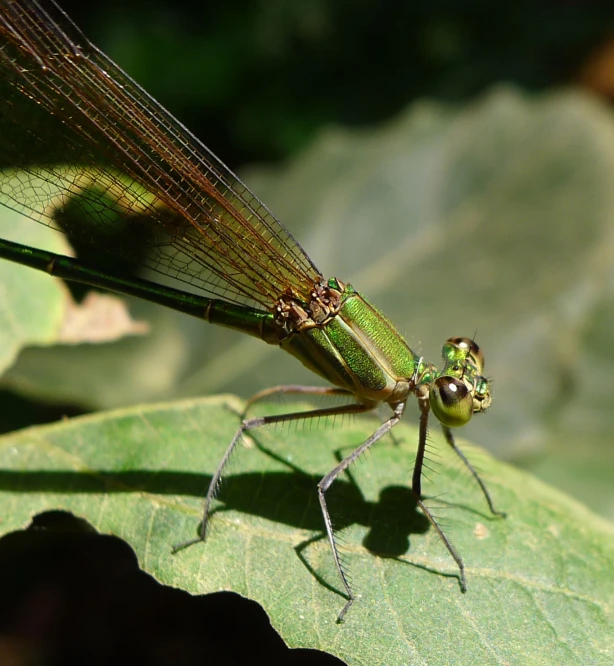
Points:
(495, 217)
(256, 78)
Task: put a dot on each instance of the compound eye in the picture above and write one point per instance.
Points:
(451, 401)
(472, 350)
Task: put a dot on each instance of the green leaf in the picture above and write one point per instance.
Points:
(36, 311)
(540, 587)
(31, 305)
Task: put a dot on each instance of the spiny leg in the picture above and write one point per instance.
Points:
(251, 424)
(296, 389)
(326, 483)
(450, 439)
(299, 389)
(416, 486)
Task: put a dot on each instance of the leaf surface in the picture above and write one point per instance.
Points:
(540, 587)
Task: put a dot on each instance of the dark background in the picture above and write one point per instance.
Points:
(270, 73)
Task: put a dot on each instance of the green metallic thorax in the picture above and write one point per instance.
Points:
(357, 349)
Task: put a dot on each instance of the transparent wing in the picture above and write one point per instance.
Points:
(63, 102)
